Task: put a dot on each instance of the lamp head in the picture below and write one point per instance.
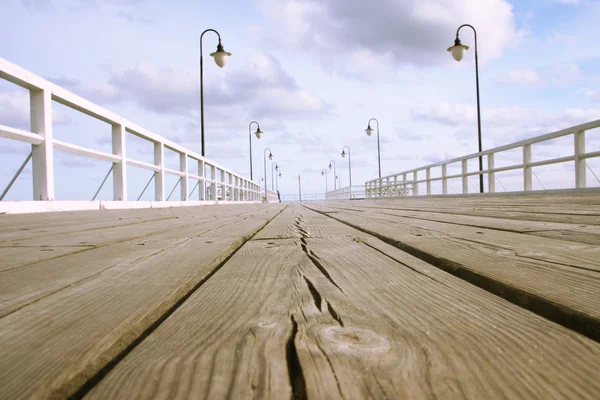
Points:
(329, 165)
(270, 156)
(343, 154)
(458, 49)
(280, 174)
(276, 167)
(258, 133)
(369, 130)
(220, 55)
(322, 172)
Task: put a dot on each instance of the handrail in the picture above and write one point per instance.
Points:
(233, 187)
(391, 186)
(346, 193)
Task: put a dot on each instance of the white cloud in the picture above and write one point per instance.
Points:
(525, 77)
(594, 95)
(410, 32)
(261, 88)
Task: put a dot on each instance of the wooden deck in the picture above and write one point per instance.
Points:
(418, 298)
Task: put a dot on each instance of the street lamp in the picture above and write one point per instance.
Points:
(265, 159)
(334, 173)
(258, 134)
(369, 131)
(220, 57)
(324, 172)
(277, 176)
(272, 175)
(349, 166)
(457, 52)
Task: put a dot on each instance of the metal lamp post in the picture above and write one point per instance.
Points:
(277, 176)
(272, 174)
(369, 131)
(265, 159)
(324, 172)
(334, 173)
(258, 134)
(349, 166)
(457, 52)
(220, 57)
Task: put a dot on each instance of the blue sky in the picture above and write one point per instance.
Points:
(312, 73)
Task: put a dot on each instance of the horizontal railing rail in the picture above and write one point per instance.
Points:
(219, 184)
(346, 193)
(399, 184)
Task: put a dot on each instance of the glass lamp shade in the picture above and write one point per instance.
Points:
(220, 55)
(369, 130)
(458, 50)
(322, 172)
(329, 165)
(343, 154)
(280, 174)
(270, 156)
(258, 133)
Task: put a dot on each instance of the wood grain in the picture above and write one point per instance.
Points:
(348, 316)
(34, 281)
(53, 346)
(566, 294)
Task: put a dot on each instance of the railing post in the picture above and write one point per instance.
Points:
(159, 180)
(213, 185)
(236, 188)
(465, 178)
(119, 168)
(415, 185)
(388, 190)
(183, 167)
(444, 178)
(223, 186)
(231, 188)
(491, 174)
(527, 170)
(404, 185)
(202, 184)
(42, 154)
(396, 194)
(580, 172)
(428, 177)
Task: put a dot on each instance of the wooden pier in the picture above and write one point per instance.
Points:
(475, 297)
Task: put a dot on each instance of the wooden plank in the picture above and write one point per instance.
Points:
(504, 224)
(358, 319)
(16, 253)
(85, 326)
(228, 340)
(27, 284)
(563, 253)
(576, 208)
(565, 294)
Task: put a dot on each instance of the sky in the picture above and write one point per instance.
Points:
(312, 73)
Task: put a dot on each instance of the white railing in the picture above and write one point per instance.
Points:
(271, 196)
(221, 185)
(397, 185)
(346, 193)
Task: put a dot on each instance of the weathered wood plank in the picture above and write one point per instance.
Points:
(571, 232)
(27, 284)
(367, 321)
(228, 340)
(15, 253)
(85, 326)
(566, 294)
(538, 248)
